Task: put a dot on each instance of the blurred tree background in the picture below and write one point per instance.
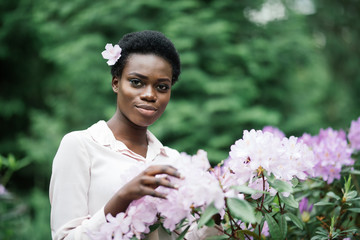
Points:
(293, 64)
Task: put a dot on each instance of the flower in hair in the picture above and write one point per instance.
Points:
(112, 53)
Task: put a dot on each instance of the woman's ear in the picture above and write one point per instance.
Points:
(115, 84)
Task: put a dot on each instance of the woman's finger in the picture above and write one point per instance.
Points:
(162, 169)
(154, 182)
(151, 192)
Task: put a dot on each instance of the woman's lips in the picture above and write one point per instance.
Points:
(146, 109)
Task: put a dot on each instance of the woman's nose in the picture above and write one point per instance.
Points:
(149, 94)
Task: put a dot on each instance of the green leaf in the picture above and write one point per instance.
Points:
(269, 199)
(241, 209)
(283, 226)
(353, 199)
(210, 211)
(221, 237)
(258, 216)
(250, 233)
(210, 223)
(295, 220)
(294, 182)
(12, 162)
(324, 204)
(351, 195)
(240, 235)
(247, 190)
(274, 228)
(22, 163)
(182, 235)
(347, 185)
(333, 195)
(357, 210)
(289, 201)
(281, 186)
(154, 227)
(355, 172)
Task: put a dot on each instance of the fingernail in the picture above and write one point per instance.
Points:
(176, 186)
(180, 175)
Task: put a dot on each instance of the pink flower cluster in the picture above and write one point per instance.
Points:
(257, 151)
(197, 190)
(140, 215)
(331, 153)
(354, 134)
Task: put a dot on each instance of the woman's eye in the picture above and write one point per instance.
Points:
(163, 87)
(136, 82)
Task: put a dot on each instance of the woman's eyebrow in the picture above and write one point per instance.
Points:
(138, 75)
(145, 77)
(164, 80)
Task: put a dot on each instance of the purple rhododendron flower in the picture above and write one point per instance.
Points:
(304, 205)
(277, 132)
(331, 153)
(354, 134)
(305, 209)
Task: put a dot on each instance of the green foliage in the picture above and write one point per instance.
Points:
(241, 209)
(16, 221)
(207, 215)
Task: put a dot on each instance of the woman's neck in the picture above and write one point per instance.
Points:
(133, 136)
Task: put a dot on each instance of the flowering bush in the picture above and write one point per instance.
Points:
(12, 208)
(270, 187)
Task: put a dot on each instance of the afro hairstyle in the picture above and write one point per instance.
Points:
(147, 42)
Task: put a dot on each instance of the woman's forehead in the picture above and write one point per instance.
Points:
(147, 63)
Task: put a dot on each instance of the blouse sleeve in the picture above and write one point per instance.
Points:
(68, 192)
(202, 233)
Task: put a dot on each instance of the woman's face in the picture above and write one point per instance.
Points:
(144, 89)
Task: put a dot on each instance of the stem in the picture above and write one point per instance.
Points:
(263, 196)
(232, 219)
(337, 222)
(247, 237)
(231, 222)
(323, 224)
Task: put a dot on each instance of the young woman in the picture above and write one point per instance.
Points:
(86, 182)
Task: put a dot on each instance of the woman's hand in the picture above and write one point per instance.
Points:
(143, 184)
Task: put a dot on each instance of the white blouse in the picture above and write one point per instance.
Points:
(86, 173)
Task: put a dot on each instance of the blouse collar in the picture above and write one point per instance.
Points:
(102, 134)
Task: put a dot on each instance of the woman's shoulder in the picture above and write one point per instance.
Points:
(80, 135)
(72, 140)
